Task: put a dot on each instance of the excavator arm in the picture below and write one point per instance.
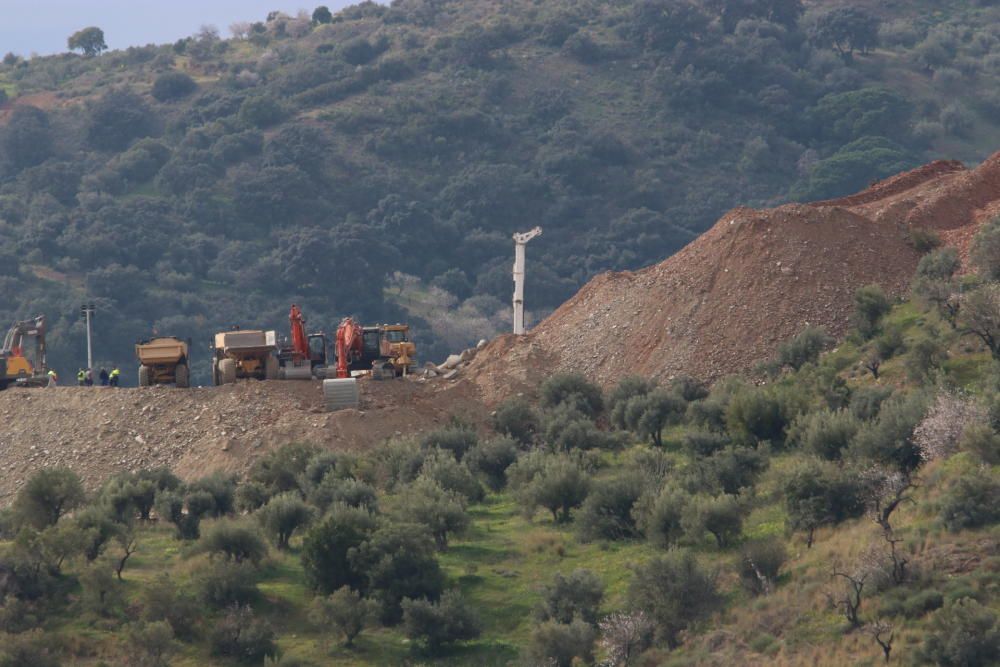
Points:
(349, 344)
(300, 342)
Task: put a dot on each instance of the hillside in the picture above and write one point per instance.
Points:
(376, 164)
(756, 279)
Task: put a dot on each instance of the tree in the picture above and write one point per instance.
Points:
(149, 644)
(850, 598)
(659, 517)
(435, 624)
(889, 439)
(673, 591)
(846, 30)
(721, 516)
(50, 493)
(236, 541)
(985, 250)
(562, 644)
(825, 433)
(607, 511)
(577, 595)
(817, 494)
(972, 501)
(625, 635)
(243, 637)
(648, 415)
(328, 544)
(346, 610)
(491, 458)
(760, 563)
(883, 633)
(516, 418)
(870, 305)
(560, 486)
(322, 15)
(282, 516)
(89, 40)
(619, 398)
(804, 348)
(118, 117)
(963, 633)
(573, 389)
(980, 317)
(27, 138)
(440, 512)
(173, 86)
(662, 24)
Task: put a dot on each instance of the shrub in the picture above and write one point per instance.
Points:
(721, 516)
(659, 516)
(440, 512)
(566, 429)
(973, 501)
(350, 492)
(149, 644)
(982, 442)
(804, 348)
(436, 624)
(327, 545)
(867, 401)
(730, 471)
(242, 637)
(985, 251)
(282, 470)
(825, 433)
(562, 644)
(578, 595)
(163, 601)
(282, 516)
(184, 511)
(223, 585)
(924, 241)
(251, 496)
(559, 486)
(926, 356)
(648, 415)
(116, 119)
(491, 458)
(261, 111)
(939, 265)
(455, 439)
(50, 493)
(346, 610)
(819, 493)
(221, 488)
(516, 418)
(962, 634)
(870, 305)
(452, 475)
(700, 444)
(607, 511)
(237, 541)
(572, 389)
(29, 648)
(758, 415)
(760, 563)
(889, 438)
(629, 388)
(674, 592)
(101, 593)
(173, 86)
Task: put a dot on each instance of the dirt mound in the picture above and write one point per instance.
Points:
(99, 432)
(723, 303)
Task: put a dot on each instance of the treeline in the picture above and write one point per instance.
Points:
(193, 186)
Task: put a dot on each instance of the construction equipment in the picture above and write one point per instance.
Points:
(306, 355)
(241, 354)
(520, 241)
(350, 348)
(22, 357)
(389, 349)
(163, 360)
(341, 394)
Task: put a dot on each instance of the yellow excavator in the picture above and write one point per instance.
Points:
(22, 357)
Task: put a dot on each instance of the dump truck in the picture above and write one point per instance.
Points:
(240, 354)
(163, 360)
(22, 357)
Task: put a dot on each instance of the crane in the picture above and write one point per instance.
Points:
(521, 240)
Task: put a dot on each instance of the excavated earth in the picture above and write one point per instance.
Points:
(99, 431)
(757, 278)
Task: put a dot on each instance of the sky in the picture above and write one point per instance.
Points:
(42, 26)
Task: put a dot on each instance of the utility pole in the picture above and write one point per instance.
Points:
(88, 310)
(520, 240)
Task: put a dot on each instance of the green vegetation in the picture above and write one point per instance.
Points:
(375, 162)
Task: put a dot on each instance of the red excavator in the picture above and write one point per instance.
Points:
(306, 354)
(350, 346)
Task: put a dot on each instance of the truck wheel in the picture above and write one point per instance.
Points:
(144, 376)
(227, 371)
(271, 368)
(182, 376)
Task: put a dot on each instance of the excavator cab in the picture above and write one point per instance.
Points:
(22, 357)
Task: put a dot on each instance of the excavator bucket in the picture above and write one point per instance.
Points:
(303, 372)
(341, 394)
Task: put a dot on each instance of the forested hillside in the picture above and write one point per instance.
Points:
(375, 162)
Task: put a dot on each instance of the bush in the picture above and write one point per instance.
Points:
(567, 429)
(939, 265)
(223, 585)
(149, 644)
(866, 402)
(261, 111)
(327, 545)
(173, 86)
(721, 516)
(578, 595)
(819, 493)
(163, 601)
(184, 511)
(455, 439)
(674, 592)
(659, 516)
(760, 563)
(282, 470)
(825, 433)
(973, 501)
(237, 541)
(981, 441)
(870, 305)
(559, 484)
(607, 511)
(346, 610)
(436, 624)
(50, 493)
(924, 241)
(242, 637)
(491, 458)
(962, 634)
(985, 251)
(804, 348)
(757, 415)
(516, 418)
(562, 644)
(116, 119)
(32, 648)
(572, 389)
(282, 516)
(889, 438)
(700, 444)
(926, 357)
(351, 492)
(729, 471)
(629, 388)
(221, 488)
(452, 475)
(648, 415)
(440, 512)
(251, 496)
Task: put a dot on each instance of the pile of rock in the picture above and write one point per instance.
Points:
(454, 364)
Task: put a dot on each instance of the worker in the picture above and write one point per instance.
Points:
(53, 378)
(80, 375)
(115, 373)
(88, 379)
(104, 377)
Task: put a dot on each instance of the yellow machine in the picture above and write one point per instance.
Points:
(389, 349)
(22, 357)
(244, 354)
(163, 360)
